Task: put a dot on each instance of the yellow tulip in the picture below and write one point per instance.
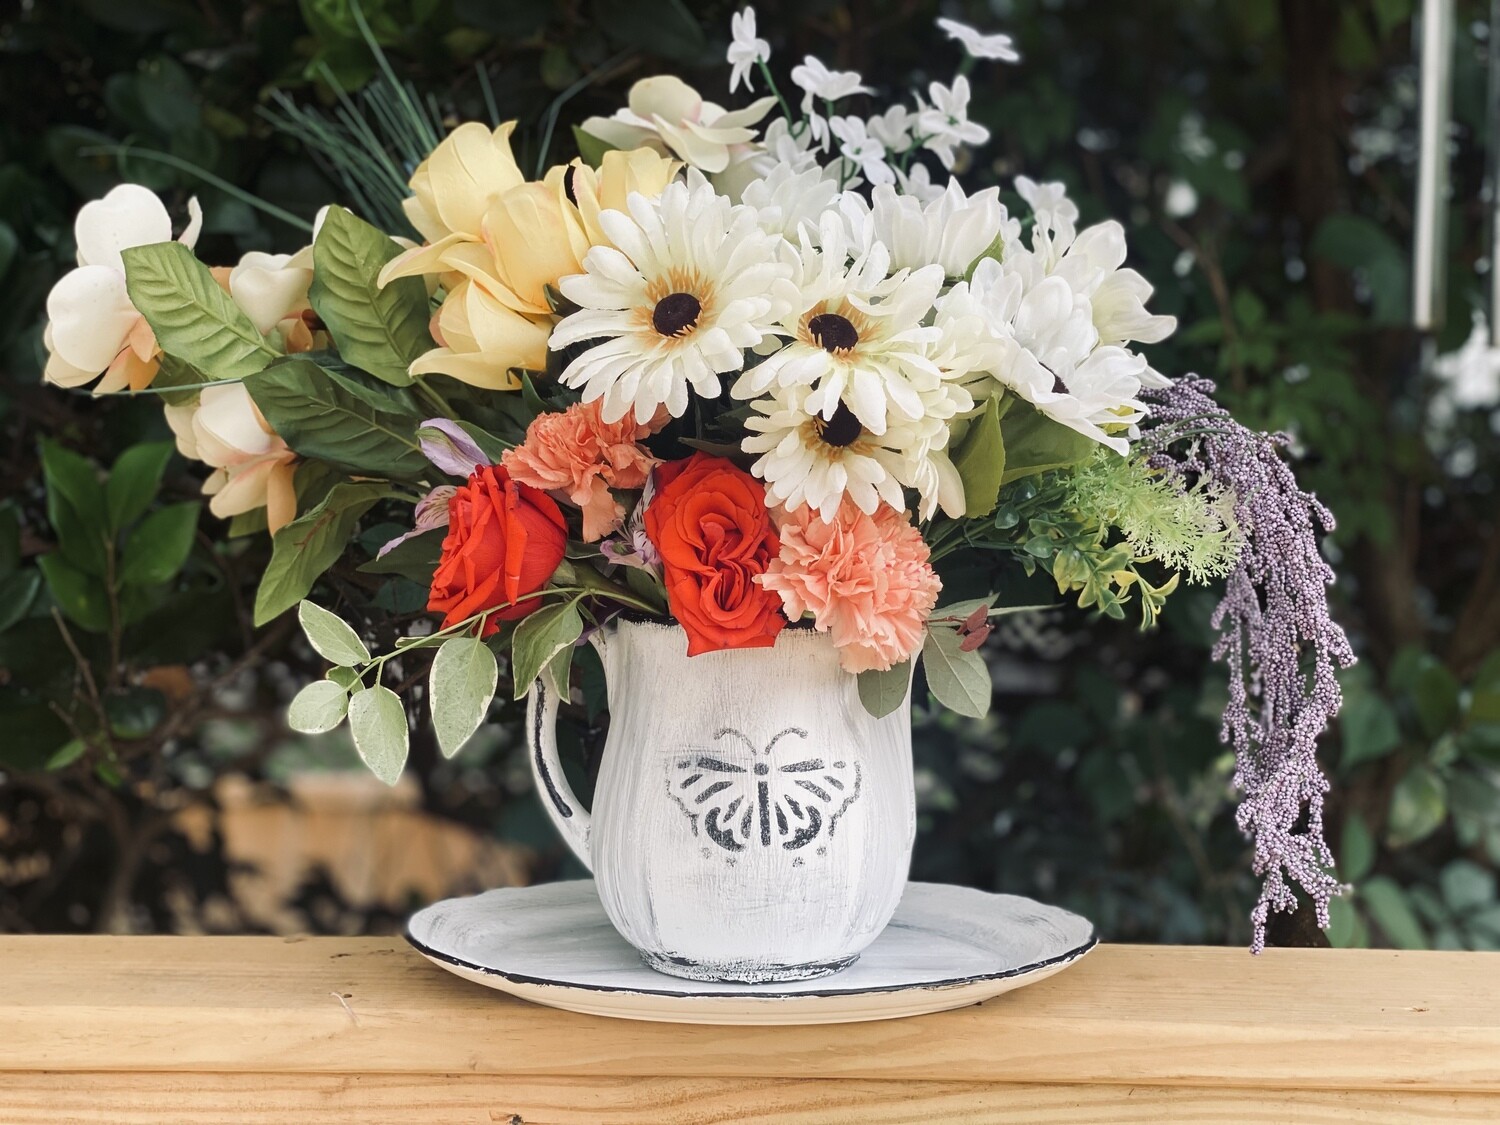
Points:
(483, 340)
(620, 173)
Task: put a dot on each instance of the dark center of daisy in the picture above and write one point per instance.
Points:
(833, 332)
(676, 313)
(842, 429)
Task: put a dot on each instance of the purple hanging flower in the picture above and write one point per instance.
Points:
(431, 512)
(1276, 637)
(446, 444)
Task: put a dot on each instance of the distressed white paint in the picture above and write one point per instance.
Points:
(694, 868)
(946, 947)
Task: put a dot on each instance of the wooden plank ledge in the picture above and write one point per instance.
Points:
(360, 1029)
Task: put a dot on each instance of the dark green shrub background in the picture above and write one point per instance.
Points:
(1098, 782)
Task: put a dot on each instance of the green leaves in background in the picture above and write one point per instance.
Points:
(331, 636)
(338, 419)
(134, 481)
(158, 546)
(463, 679)
(303, 549)
(378, 330)
(959, 680)
(378, 723)
(193, 318)
(980, 460)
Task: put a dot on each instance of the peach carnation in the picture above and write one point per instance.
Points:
(579, 456)
(864, 578)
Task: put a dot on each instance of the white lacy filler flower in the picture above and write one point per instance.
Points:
(857, 329)
(253, 467)
(690, 283)
(978, 44)
(745, 50)
(805, 459)
(92, 326)
(668, 115)
(945, 124)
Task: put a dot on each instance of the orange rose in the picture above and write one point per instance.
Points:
(709, 522)
(504, 541)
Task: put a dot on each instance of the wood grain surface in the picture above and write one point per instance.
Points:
(161, 1029)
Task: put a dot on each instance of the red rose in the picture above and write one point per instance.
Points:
(709, 522)
(504, 541)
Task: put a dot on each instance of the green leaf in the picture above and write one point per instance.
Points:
(980, 461)
(1035, 443)
(331, 636)
(379, 330)
(378, 722)
(134, 480)
(318, 708)
(590, 147)
(303, 549)
(883, 692)
(346, 678)
(539, 637)
(18, 591)
(76, 508)
(66, 754)
(464, 675)
(326, 422)
(1389, 907)
(1466, 886)
(182, 376)
(81, 596)
(415, 558)
(1419, 804)
(158, 546)
(193, 318)
(1436, 693)
(1369, 729)
(959, 680)
(1357, 852)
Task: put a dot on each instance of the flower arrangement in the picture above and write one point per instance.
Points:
(747, 370)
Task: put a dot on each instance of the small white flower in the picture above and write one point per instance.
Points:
(818, 83)
(1469, 379)
(1055, 212)
(893, 128)
(690, 283)
(745, 50)
(945, 124)
(918, 182)
(978, 44)
(862, 150)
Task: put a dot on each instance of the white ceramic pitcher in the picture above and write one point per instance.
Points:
(751, 821)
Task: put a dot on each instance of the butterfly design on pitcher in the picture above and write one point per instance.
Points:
(761, 802)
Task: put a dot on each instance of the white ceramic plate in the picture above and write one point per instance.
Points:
(946, 947)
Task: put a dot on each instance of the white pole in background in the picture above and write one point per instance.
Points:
(1430, 251)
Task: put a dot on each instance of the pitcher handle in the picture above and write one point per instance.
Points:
(562, 804)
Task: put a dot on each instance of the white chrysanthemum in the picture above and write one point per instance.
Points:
(690, 283)
(953, 231)
(1039, 342)
(786, 199)
(806, 459)
(857, 329)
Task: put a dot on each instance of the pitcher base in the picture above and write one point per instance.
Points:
(744, 973)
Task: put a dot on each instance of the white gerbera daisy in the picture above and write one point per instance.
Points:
(857, 331)
(805, 459)
(690, 283)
